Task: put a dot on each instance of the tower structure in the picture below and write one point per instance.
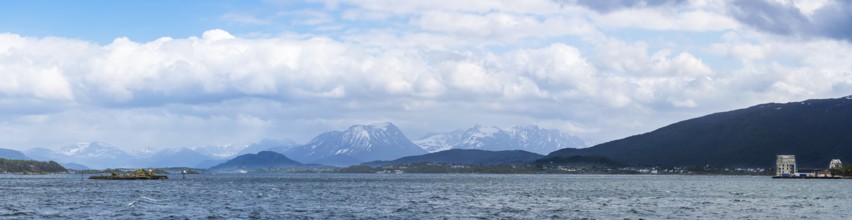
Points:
(785, 165)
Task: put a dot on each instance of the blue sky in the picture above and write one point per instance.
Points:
(158, 74)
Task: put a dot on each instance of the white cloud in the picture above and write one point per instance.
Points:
(244, 18)
(427, 66)
(22, 80)
(667, 19)
(490, 25)
(473, 6)
(361, 80)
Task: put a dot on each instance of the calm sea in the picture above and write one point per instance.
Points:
(425, 196)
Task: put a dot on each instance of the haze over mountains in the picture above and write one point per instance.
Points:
(12, 154)
(92, 154)
(355, 145)
(816, 131)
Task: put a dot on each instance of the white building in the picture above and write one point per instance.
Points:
(835, 164)
(785, 164)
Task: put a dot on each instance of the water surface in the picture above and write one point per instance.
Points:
(407, 196)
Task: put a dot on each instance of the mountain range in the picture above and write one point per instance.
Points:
(529, 138)
(91, 154)
(99, 155)
(466, 157)
(355, 145)
(816, 131)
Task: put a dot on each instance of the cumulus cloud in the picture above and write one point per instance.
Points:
(426, 67)
(667, 19)
(830, 19)
(614, 5)
(218, 67)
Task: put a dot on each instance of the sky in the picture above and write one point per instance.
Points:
(165, 74)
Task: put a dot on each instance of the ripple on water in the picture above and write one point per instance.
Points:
(360, 196)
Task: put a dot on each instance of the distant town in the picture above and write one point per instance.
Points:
(785, 168)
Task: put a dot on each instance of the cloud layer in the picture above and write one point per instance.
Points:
(830, 19)
(599, 71)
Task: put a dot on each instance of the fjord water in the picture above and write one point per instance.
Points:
(419, 196)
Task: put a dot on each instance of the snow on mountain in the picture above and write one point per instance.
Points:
(92, 150)
(142, 152)
(96, 155)
(359, 143)
(222, 151)
(383, 141)
(530, 138)
(487, 138)
(545, 140)
(440, 142)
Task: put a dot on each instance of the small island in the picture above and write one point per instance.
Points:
(140, 174)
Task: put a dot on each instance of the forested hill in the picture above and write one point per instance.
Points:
(30, 166)
(816, 131)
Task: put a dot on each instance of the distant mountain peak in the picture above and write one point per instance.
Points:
(380, 141)
(90, 149)
(222, 150)
(483, 131)
(523, 137)
(74, 149)
(95, 154)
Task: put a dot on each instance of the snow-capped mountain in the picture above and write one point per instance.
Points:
(359, 143)
(535, 139)
(92, 154)
(441, 141)
(383, 141)
(92, 150)
(141, 152)
(529, 138)
(222, 151)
